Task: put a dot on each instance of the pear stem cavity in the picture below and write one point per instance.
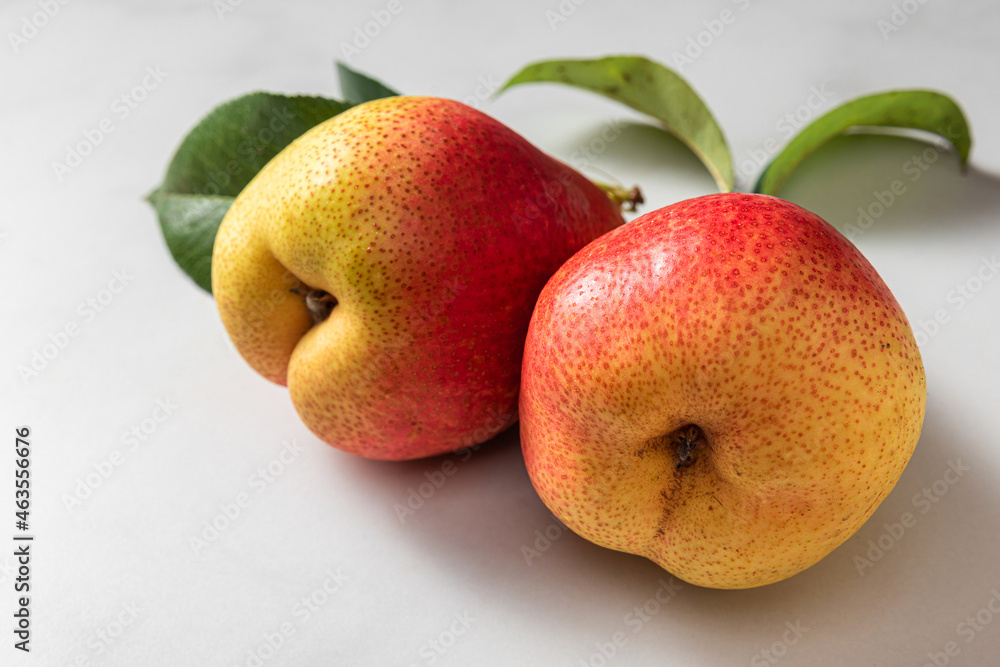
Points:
(318, 302)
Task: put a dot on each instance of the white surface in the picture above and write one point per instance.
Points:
(461, 553)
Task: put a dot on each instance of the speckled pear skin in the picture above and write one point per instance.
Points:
(754, 320)
(434, 227)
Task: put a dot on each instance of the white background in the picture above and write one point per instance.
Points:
(123, 555)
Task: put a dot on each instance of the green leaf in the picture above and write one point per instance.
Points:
(910, 109)
(217, 159)
(190, 233)
(652, 89)
(359, 88)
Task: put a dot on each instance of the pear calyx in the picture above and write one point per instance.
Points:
(319, 303)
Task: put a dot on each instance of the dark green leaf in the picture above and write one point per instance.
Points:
(359, 88)
(909, 109)
(654, 90)
(217, 159)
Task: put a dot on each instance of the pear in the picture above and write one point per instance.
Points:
(725, 386)
(384, 266)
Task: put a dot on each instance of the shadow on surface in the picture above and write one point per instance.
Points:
(486, 526)
(627, 147)
(886, 185)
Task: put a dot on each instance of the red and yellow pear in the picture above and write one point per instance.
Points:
(725, 386)
(384, 267)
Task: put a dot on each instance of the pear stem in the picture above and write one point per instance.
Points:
(627, 200)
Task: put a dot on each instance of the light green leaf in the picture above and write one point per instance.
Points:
(652, 89)
(217, 159)
(359, 88)
(911, 109)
